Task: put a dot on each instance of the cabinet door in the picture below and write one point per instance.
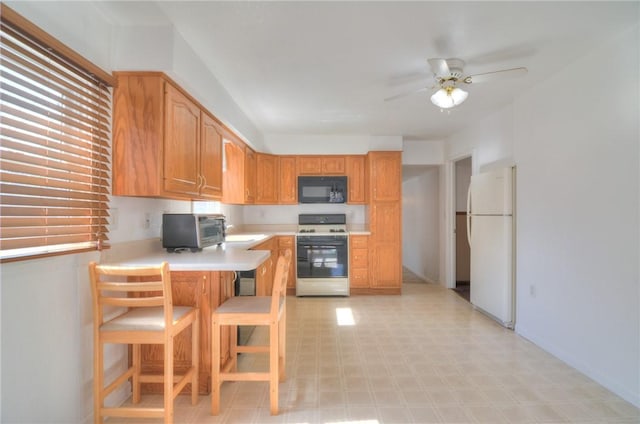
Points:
(249, 175)
(234, 174)
(187, 289)
(356, 179)
(385, 222)
(386, 176)
(288, 191)
(386, 271)
(181, 141)
(288, 243)
(211, 159)
(267, 179)
(386, 257)
(333, 165)
(309, 165)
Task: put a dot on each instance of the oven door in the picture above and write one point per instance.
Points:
(322, 256)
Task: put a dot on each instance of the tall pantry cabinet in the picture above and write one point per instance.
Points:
(385, 221)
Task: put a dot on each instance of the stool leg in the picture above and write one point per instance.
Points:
(135, 380)
(274, 373)
(98, 378)
(233, 348)
(195, 359)
(168, 380)
(282, 345)
(215, 368)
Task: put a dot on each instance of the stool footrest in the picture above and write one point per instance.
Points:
(133, 412)
(252, 349)
(244, 376)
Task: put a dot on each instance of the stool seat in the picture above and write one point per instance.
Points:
(144, 319)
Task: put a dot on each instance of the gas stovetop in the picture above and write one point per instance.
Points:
(310, 224)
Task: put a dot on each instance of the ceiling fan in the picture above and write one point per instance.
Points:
(448, 75)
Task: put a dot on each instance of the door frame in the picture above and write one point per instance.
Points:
(450, 213)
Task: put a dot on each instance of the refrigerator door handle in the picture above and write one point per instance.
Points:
(469, 215)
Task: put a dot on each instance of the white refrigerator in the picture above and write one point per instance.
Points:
(490, 231)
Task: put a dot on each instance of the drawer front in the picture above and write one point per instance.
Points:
(359, 242)
(359, 277)
(359, 258)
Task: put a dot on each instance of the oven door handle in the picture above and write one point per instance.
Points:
(321, 245)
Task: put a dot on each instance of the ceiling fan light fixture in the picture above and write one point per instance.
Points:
(448, 97)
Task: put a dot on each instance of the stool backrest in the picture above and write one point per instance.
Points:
(130, 287)
(279, 293)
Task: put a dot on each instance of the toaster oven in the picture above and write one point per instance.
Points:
(186, 231)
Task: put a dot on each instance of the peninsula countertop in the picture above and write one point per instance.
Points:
(214, 258)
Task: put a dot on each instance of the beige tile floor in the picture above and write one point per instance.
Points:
(423, 357)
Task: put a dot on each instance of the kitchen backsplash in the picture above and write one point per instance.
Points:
(288, 214)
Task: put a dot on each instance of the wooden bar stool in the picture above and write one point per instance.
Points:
(268, 311)
(140, 299)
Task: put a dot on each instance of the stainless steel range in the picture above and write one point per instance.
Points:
(323, 255)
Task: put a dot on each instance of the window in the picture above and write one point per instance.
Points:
(54, 145)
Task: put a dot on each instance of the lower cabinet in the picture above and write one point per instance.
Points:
(264, 273)
(284, 243)
(206, 290)
(358, 262)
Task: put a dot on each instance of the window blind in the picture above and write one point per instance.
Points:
(54, 150)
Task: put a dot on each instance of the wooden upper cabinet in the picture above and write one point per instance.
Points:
(211, 158)
(266, 179)
(321, 165)
(249, 176)
(334, 165)
(288, 181)
(309, 165)
(356, 182)
(158, 148)
(386, 176)
(181, 142)
(233, 178)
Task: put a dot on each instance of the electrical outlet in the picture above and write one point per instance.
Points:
(114, 218)
(147, 221)
(532, 290)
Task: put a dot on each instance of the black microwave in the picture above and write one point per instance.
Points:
(322, 189)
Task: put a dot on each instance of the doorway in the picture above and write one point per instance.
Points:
(462, 177)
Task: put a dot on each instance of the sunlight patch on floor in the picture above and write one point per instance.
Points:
(345, 317)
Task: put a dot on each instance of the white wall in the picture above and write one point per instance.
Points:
(421, 212)
(578, 215)
(423, 152)
(577, 219)
(288, 214)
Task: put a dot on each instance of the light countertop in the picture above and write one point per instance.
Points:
(233, 255)
(214, 258)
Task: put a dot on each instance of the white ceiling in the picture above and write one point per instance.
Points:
(326, 67)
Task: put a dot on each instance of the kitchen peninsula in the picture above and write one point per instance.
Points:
(204, 279)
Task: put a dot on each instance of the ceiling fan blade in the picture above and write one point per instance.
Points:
(406, 93)
(440, 67)
(495, 75)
